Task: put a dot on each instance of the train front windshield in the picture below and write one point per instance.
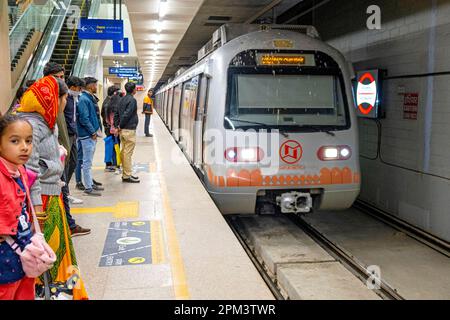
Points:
(285, 101)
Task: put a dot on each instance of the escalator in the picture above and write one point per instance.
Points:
(68, 44)
(59, 42)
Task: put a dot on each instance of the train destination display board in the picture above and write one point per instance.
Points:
(368, 94)
(278, 59)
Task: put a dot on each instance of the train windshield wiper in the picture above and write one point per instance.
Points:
(260, 124)
(319, 129)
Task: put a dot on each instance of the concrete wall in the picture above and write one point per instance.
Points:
(414, 39)
(5, 63)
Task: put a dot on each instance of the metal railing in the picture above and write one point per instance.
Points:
(34, 17)
(48, 41)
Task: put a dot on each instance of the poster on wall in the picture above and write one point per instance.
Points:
(368, 94)
(410, 106)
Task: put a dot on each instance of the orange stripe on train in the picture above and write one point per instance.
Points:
(254, 178)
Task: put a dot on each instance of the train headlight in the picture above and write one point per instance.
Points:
(345, 152)
(330, 153)
(237, 154)
(231, 154)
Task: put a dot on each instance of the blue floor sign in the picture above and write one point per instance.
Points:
(127, 243)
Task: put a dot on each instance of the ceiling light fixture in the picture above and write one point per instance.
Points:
(159, 25)
(162, 8)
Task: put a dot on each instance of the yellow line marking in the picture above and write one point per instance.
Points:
(176, 261)
(121, 210)
(158, 256)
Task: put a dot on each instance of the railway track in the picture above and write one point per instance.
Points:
(381, 288)
(336, 244)
(418, 234)
(257, 261)
(350, 262)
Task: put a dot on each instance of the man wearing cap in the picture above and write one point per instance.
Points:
(88, 127)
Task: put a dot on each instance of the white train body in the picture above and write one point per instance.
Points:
(268, 121)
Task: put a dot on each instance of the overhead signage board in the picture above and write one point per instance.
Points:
(139, 79)
(123, 70)
(368, 94)
(121, 46)
(100, 29)
(127, 75)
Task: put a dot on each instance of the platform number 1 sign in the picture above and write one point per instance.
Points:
(121, 46)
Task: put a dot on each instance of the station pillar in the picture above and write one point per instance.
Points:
(5, 63)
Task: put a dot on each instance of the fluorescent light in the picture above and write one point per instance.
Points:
(162, 8)
(154, 53)
(157, 38)
(159, 25)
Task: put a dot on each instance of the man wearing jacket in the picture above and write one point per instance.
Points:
(128, 121)
(75, 85)
(87, 127)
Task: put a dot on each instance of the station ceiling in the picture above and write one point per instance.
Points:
(189, 24)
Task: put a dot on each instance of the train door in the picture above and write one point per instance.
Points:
(176, 112)
(163, 99)
(189, 108)
(166, 103)
(169, 109)
(200, 121)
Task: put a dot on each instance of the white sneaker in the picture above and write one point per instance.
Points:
(74, 200)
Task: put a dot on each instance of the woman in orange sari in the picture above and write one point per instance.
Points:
(40, 106)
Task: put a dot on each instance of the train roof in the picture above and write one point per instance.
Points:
(230, 31)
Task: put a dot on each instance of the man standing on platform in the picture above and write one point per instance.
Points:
(148, 111)
(88, 126)
(128, 121)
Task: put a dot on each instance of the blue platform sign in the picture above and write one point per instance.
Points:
(128, 70)
(100, 29)
(127, 75)
(121, 46)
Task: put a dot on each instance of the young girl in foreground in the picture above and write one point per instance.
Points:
(16, 144)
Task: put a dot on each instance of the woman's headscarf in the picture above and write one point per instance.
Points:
(42, 97)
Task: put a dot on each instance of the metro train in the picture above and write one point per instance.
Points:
(267, 118)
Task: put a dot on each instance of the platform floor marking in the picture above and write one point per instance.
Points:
(137, 167)
(176, 261)
(158, 254)
(121, 210)
(127, 244)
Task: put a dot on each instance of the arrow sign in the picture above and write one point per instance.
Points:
(100, 29)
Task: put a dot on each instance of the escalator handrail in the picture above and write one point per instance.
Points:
(84, 49)
(37, 53)
(48, 42)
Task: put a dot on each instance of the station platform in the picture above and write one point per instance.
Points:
(163, 238)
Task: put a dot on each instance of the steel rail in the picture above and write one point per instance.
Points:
(414, 232)
(245, 245)
(385, 291)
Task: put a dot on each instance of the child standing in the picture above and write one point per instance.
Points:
(16, 144)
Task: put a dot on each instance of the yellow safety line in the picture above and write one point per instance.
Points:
(176, 261)
(93, 210)
(158, 255)
(128, 209)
